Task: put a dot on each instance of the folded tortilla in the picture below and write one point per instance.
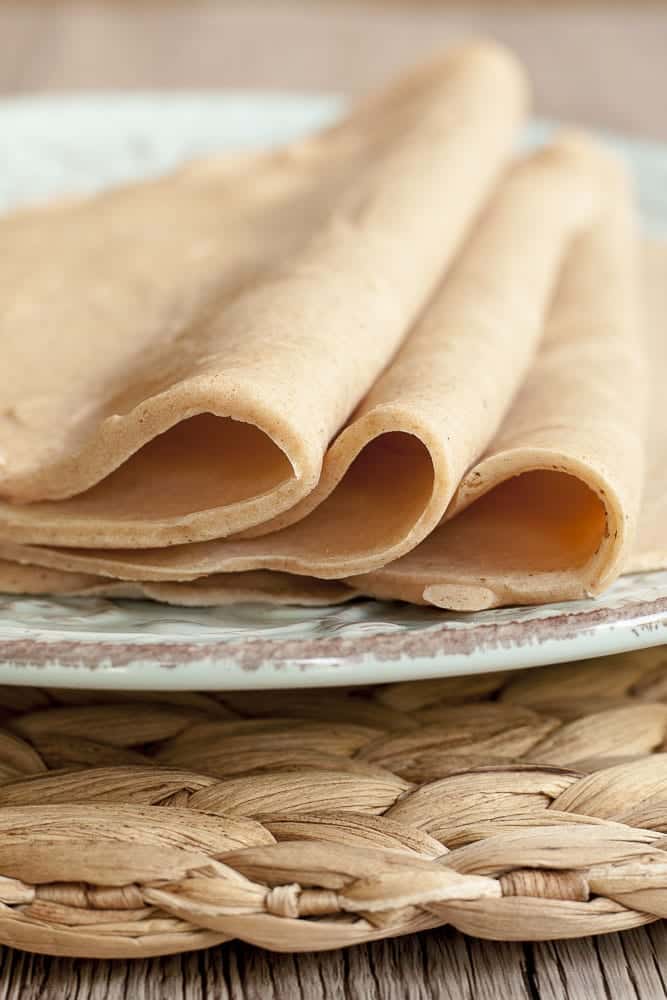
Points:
(550, 513)
(524, 543)
(389, 477)
(212, 591)
(482, 346)
(177, 355)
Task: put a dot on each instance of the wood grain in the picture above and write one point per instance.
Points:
(440, 965)
(604, 66)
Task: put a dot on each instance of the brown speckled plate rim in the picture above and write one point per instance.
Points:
(449, 647)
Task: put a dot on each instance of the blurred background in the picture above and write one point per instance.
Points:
(603, 63)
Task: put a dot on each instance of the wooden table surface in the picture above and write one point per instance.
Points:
(602, 66)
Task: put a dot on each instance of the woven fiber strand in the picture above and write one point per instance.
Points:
(528, 805)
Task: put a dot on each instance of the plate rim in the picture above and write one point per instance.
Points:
(248, 663)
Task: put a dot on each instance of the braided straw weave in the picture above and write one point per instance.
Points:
(529, 805)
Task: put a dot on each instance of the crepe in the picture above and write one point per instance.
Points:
(389, 477)
(369, 364)
(213, 591)
(597, 382)
(177, 355)
(551, 511)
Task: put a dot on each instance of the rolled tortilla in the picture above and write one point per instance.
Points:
(213, 591)
(550, 513)
(391, 474)
(177, 355)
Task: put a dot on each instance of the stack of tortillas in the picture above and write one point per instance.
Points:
(389, 359)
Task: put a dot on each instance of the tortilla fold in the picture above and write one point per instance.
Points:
(550, 512)
(177, 355)
(389, 477)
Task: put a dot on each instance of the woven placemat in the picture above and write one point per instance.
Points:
(525, 806)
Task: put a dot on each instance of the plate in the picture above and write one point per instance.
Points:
(59, 145)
